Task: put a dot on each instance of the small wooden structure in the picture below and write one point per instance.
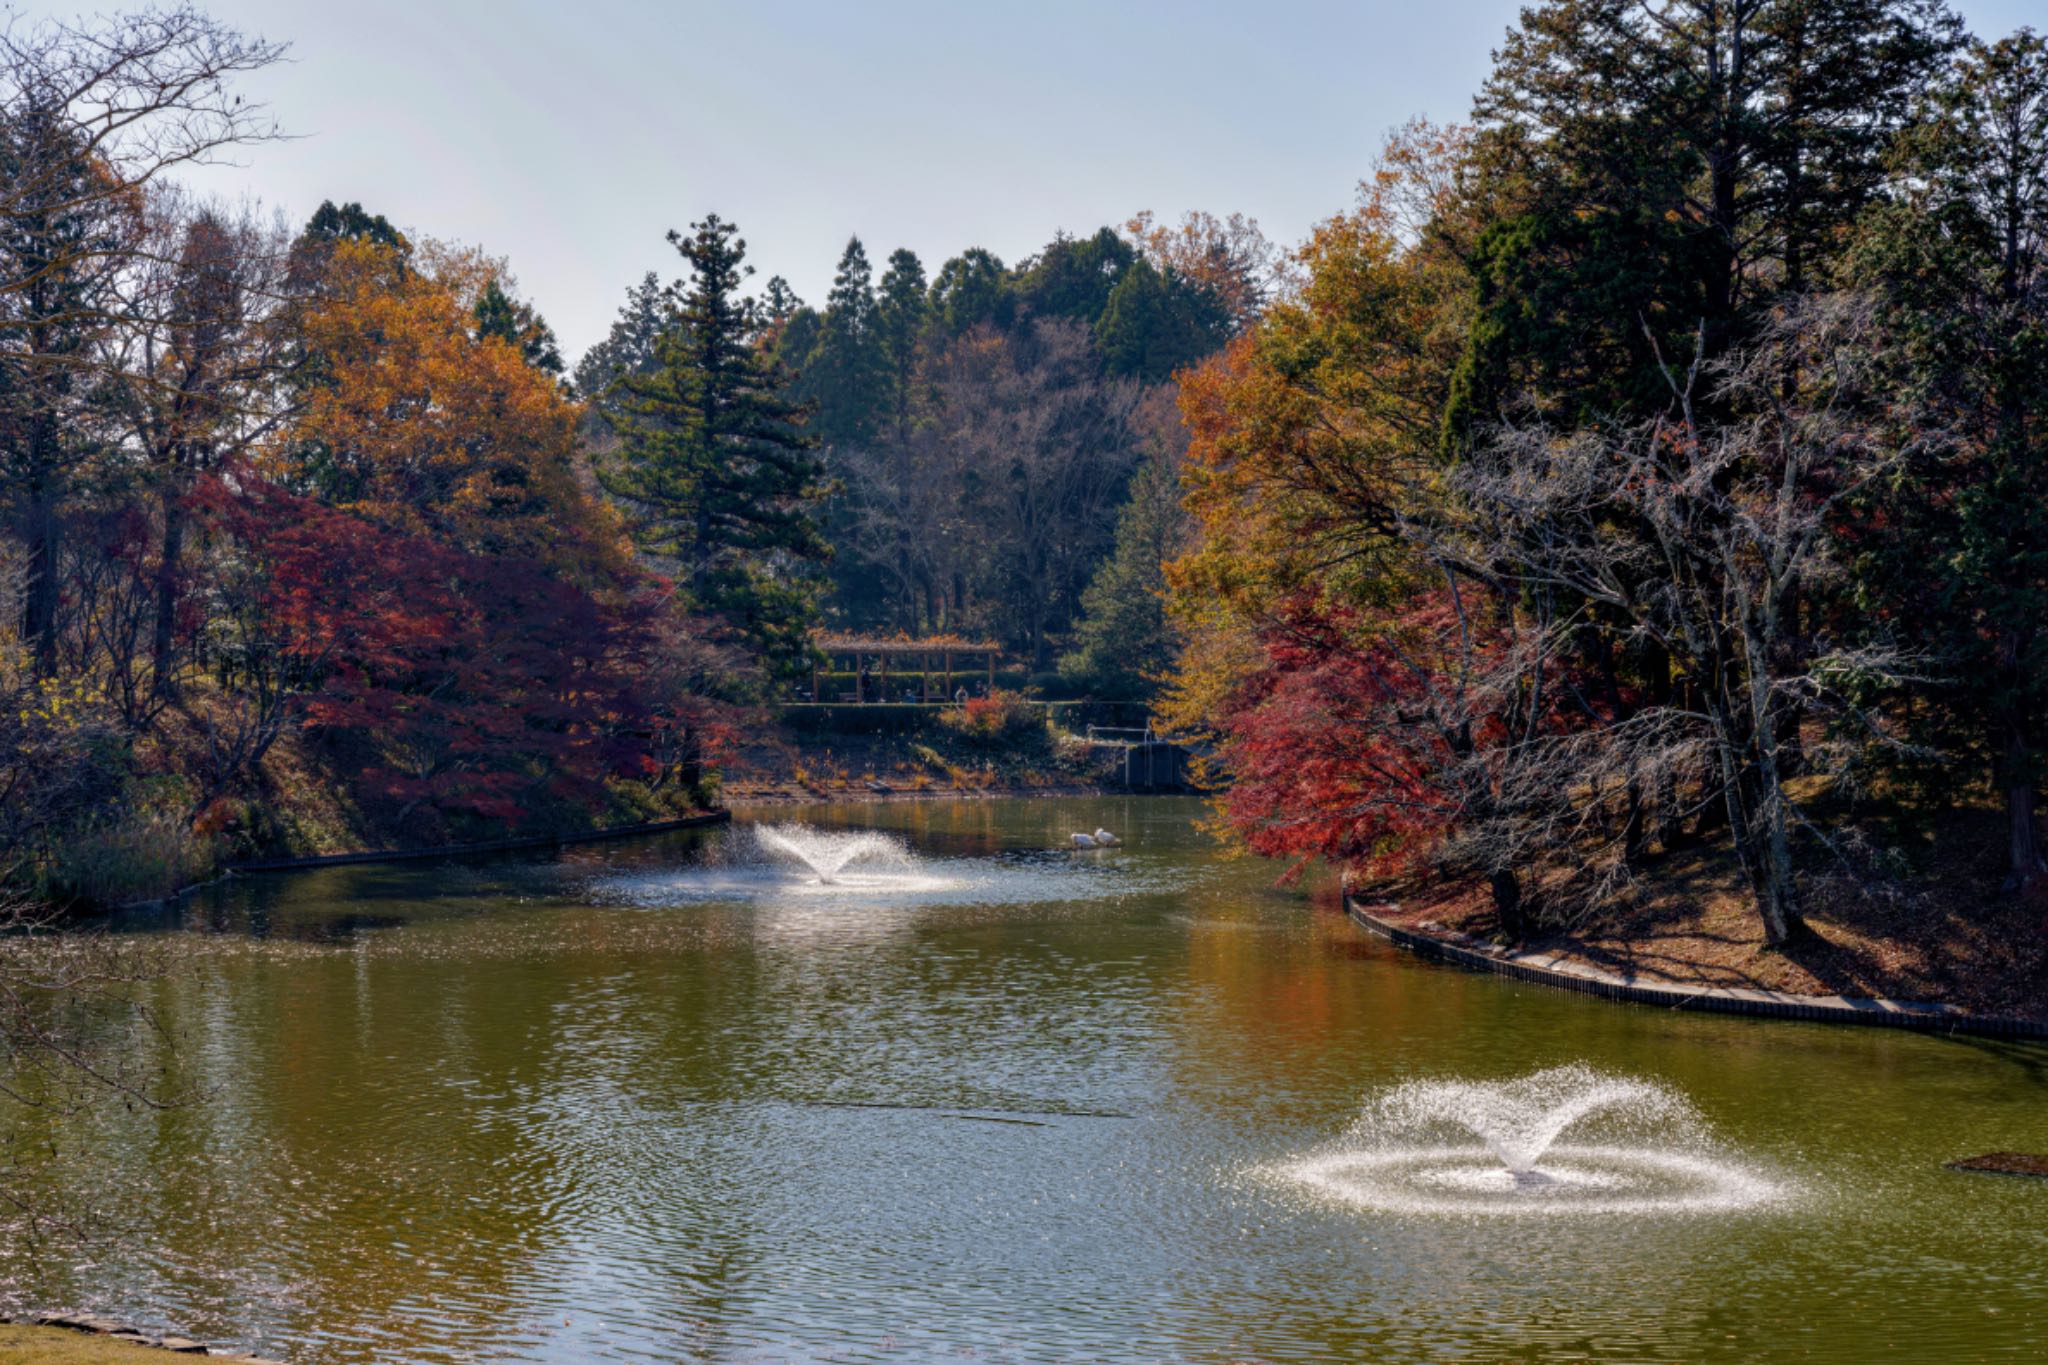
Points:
(920, 655)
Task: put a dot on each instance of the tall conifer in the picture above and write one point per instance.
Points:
(901, 312)
(715, 462)
(847, 367)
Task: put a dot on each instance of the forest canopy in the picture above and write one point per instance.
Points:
(1653, 460)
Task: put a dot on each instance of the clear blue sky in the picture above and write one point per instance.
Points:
(569, 137)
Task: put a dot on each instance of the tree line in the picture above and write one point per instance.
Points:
(302, 541)
(1657, 458)
(981, 430)
(309, 536)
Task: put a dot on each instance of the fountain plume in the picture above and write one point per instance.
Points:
(827, 854)
(1521, 1147)
(1519, 1120)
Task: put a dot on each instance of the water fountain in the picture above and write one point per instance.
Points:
(1497, 1147)
(828, 853)
(825, 871)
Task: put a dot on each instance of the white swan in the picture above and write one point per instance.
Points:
(1104, 839)
(1084, 841)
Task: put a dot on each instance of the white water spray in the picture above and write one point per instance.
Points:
(1501, 1147)
(827, 854)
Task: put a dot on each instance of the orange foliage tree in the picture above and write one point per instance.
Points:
(1313, 437)
(1327, 654)
(415, 421)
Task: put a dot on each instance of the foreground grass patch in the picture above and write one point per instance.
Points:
(62, 1346)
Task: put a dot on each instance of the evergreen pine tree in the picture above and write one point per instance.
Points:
(901, 312)
(779, 303)
(517, 325)
(846, 372)
(1670, 169)
(1961, 261)
(629, 348)
(971, 289)
(1124, 642)
(1155, 323)
(715, 463)
(352, 222)
(1073, 276)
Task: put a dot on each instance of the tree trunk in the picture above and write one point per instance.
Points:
(1507, 905)
(1762, 844)
(39, 606)
(2024, 863)
(1636, 826)
(690, 767)
(1756, 824)
(162, 665)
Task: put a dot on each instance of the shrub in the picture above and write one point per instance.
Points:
(138, 855)
(1001, 720)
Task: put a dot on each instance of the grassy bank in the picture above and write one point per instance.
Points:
(60, 1346)
(24, 1345)
(303, 799)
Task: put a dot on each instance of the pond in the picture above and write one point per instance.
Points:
(999, 1100)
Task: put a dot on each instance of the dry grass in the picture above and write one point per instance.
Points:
(61, 1346)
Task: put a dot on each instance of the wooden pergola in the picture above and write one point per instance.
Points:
(919, 654)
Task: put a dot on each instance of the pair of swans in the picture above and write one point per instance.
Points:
(1101, 838)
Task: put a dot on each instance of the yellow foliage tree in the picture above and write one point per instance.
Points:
(413, 420)
(1314, 435)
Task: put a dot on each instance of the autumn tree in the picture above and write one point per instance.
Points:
(1695, 530)
(1228, 257)
(420, 422)
(481, 687)
(1436, 732)
(92, 113)
(194, 384)
(62, 246)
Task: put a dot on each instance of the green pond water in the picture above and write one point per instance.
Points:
(662, 1101)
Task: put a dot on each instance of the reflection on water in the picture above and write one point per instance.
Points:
(663, 1101)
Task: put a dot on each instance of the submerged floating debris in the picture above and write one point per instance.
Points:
(2003, 1163)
